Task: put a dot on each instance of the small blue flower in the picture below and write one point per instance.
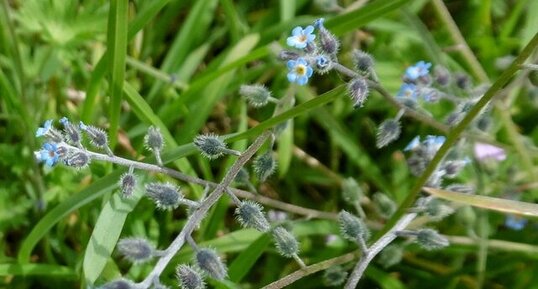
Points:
(43, 130)
(418, 70)
(434, 142)
(64, 121)
(82, 126)
(515, 223)
(48, 154)
(301, 37)
(322, 61)
(413, 144)
(319, 23)
(408, 90)
(299, 71)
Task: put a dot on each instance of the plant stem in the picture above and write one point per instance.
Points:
(379, 245)
(202, 210)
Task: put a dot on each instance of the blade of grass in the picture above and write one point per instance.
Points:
(242, 264)
(37, 270)
(485, 202)
(117, 51)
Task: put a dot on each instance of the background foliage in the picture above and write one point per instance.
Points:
(178, 65)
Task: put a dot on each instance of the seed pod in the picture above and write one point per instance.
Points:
(334, 276)
(136, 250)
(285, 242)
(72, 133)
(98, 137)
(210, 262)
(119, 284)
(77, 159)
(437, 209)
(351, 191)
(154, 139)
(127, 184)
(189, 277)
(384, 205)
(256, 95)
(210, 145)
(363, 61)
(250, 215)
(391, 255)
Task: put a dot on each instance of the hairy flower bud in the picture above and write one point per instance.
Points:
(460, 188)
(136, 250)
(256, 95)
(71, 131)
(98, 137)
(264, 166)
(250, 215)
(429, 239)
(351, 191)
(211, 146)
(384, 205)
(154, 139)
(328, 42)
(352, 227)
(210, 262)
(77, 159)
(358, 90)
(165, 195)
(127, 184)
(285, 242)
(462, 81)
(189, 277)
(288, 55)
(441, 75)
(453, 168)
(363, 61)
(334, 276)
(437, 209)
(388, 132)
(242, 177)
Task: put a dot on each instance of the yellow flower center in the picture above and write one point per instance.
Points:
(302, 38)
(300, 69)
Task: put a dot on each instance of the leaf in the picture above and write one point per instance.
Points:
(105, 235)
(244, 262)
(37, 270)
(490, 203)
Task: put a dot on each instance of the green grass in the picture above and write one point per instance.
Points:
(178, 65)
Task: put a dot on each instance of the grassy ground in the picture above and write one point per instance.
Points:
(178, 65)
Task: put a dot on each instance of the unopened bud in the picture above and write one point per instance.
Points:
(154, 139)
(323, 64)
(211, 146)
(328, 42)
(441, 75)
(165, 195)
(431, 240)
(136, 250)
(460, 188)
(390, 256)
(127, 184)
(334, 276)
(288, 55)
(351, 191)
(210, 262)
(242, 177)
(189, 278)
(358, 90)
(256, 95)
(437, 209)
(250, 215)
(453, 168)
(462, 81)
(387, 132)
(77, 159)
(363, 61)
(352, 227)
(466, 216)
(384, 205)
(285, 242)
(71, 131)
(98, 137)
(264, 166)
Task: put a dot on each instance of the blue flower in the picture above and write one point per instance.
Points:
(299, 71)
(408, 90)
(413, 144)
(64, 121)
(322, 61)
(45, 129)
(301, 37)
(82, 126)
(418, 70)
(434, 140)
(48, 154)
(515, 223)
(319, 23)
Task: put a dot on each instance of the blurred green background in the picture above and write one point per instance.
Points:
(178, 65)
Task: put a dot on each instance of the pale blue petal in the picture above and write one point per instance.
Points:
(309, 29)
(292, 76)
(291, 41)
(302, 80)
(297, 31)
(291, 64)
(302, 61)
(309, 71)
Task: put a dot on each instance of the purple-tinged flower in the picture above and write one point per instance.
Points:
(420, 69)
(64, 121)
(319, 23)
(408, 91)
(299, 71)
(48, 154)
(44, 129)
(515, 223)
(301, 37)
(484, 152)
